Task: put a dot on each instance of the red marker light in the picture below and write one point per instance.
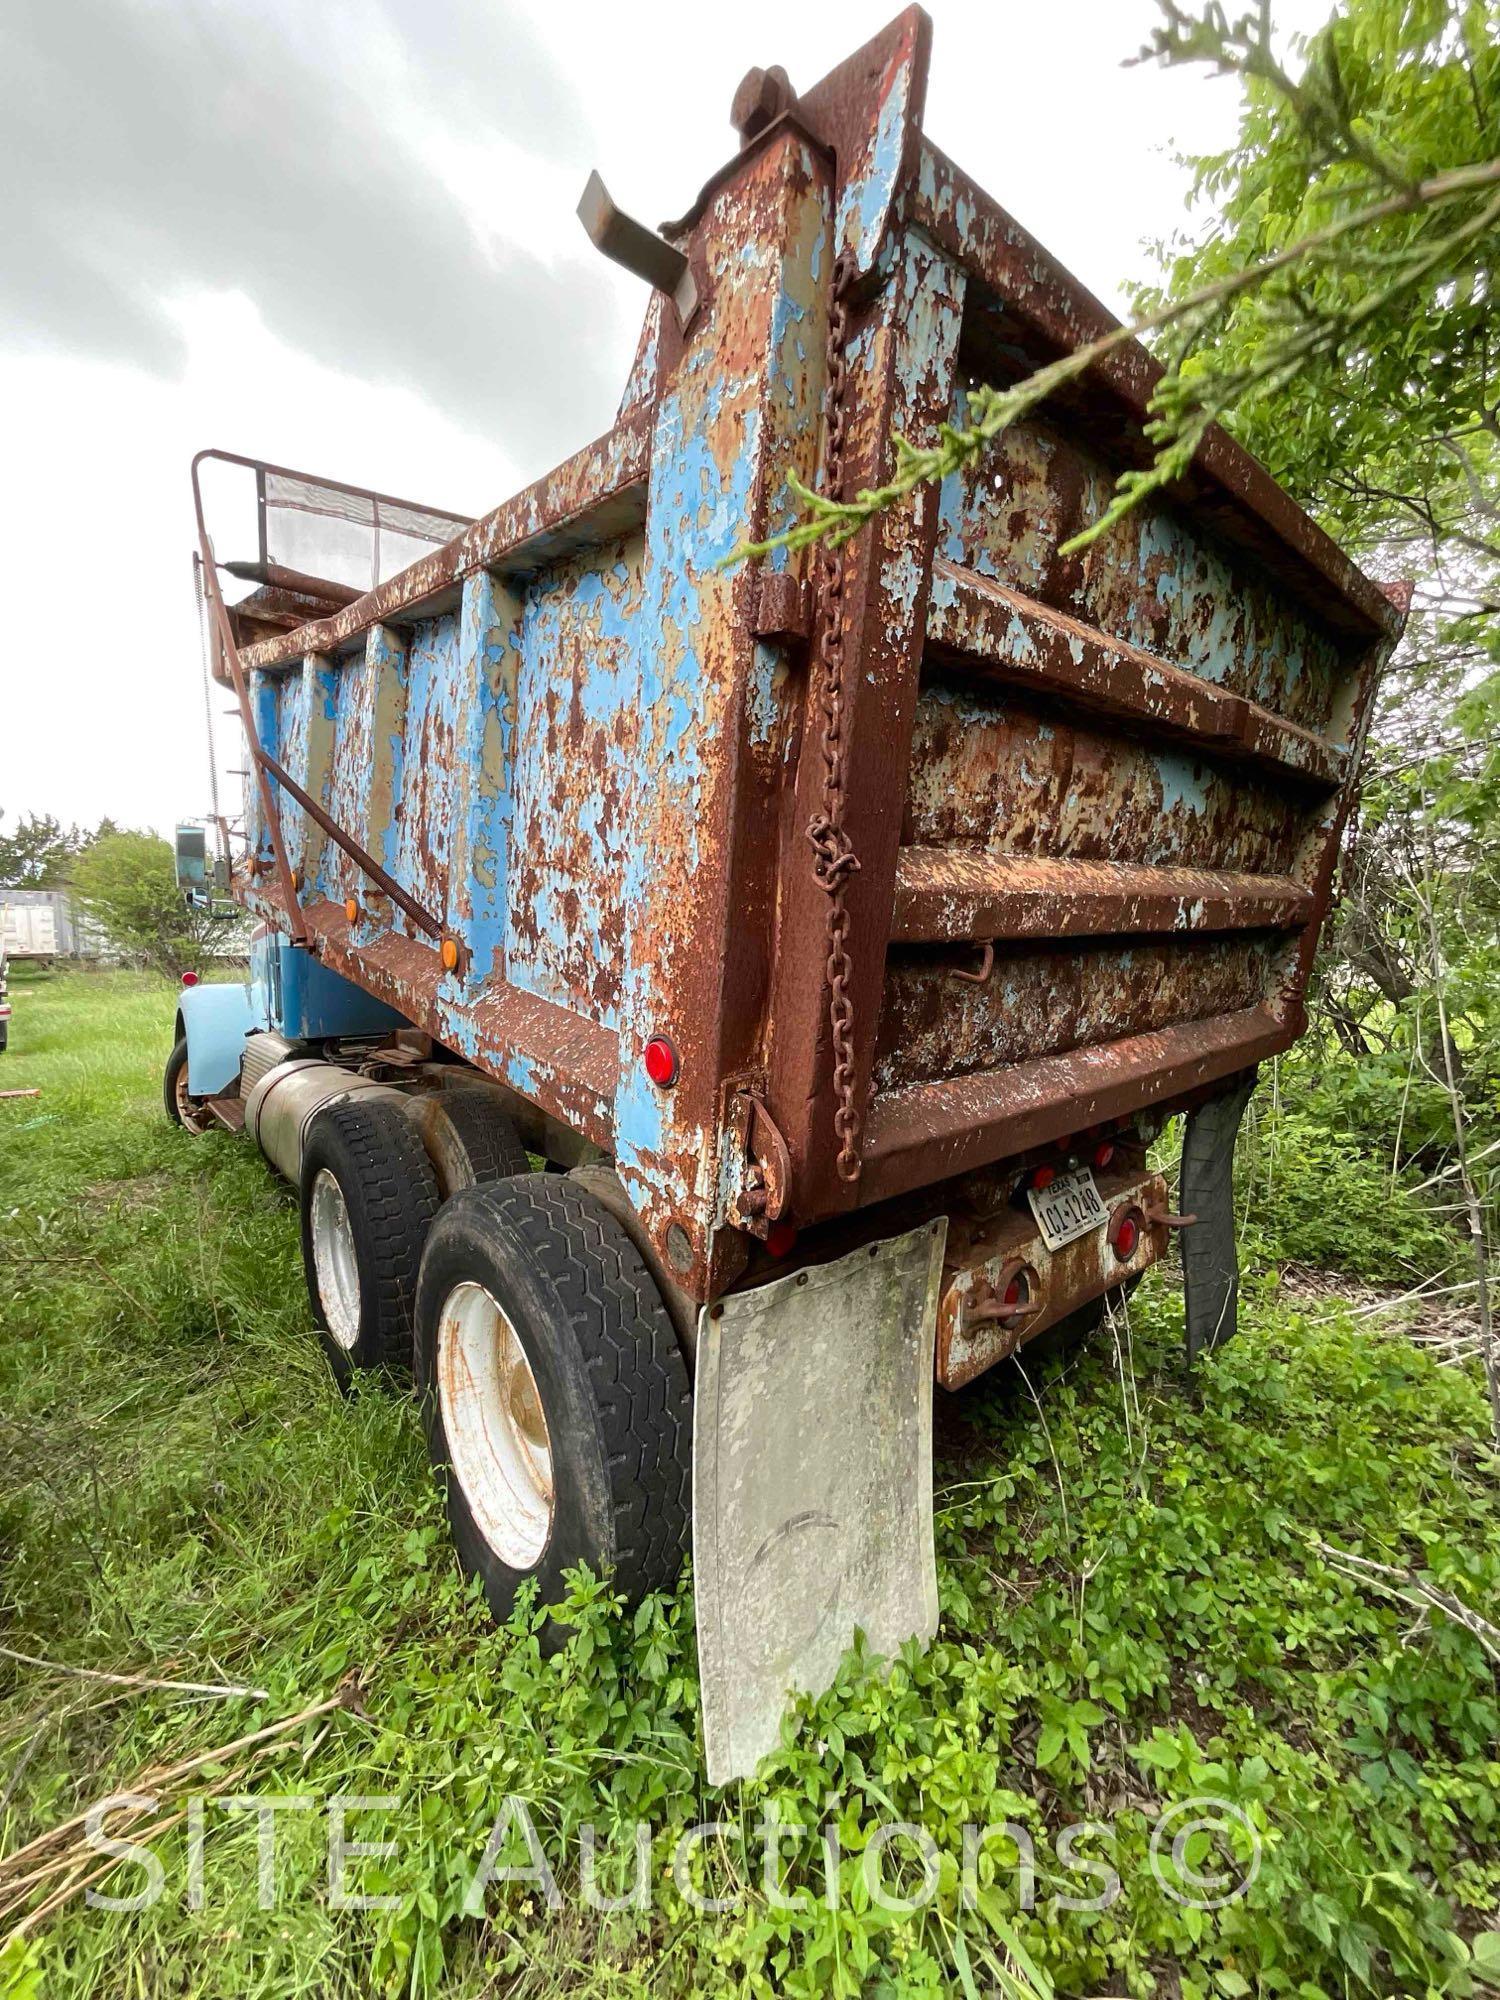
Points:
(1013, 1292)
(190, 979)
(660, 1059)
(1103, 1153)
(1044, 1177)
(781, 1239)
(1125, 1235)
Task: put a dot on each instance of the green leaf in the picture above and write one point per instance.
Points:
(1051, 1743)
(961, 1962)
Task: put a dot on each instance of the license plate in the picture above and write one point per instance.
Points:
(1067, 1208)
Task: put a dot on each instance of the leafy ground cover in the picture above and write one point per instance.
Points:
(1147, 1595)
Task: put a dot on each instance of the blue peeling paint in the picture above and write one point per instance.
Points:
(761, 708)
(264, 707)
(699, 509)
(1157, 579)
(386, 655)
(291, 754)
(426, 810)
(578, 716)
(489, 640)
(867, 199)
(1182, 786)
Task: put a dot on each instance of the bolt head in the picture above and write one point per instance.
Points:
(762, 96)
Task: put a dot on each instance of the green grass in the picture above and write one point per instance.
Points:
(1135, 1613)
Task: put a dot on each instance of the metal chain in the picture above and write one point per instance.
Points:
(834, 859)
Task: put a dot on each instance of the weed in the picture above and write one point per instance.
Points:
(186, 1497)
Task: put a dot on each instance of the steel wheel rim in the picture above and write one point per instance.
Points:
(334, 1261)
(495, 1425)
(188, 1108)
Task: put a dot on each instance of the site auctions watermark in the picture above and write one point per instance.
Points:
(1203, 1852)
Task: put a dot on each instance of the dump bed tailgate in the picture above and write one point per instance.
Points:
(1126, 766)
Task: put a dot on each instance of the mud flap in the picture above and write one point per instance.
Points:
(1210, 1252)
(812, 1483)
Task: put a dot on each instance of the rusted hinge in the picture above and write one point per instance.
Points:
(765, 1165)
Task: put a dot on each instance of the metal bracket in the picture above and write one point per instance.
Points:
(980, 975)
(766, 1165)
(638, 249)
(782, 610)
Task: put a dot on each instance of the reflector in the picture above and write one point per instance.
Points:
(660, 1059)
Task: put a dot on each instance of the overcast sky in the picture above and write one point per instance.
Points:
(342, 237)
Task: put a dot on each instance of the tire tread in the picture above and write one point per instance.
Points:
(489, 1138)
(637, 1377)
(399, 1196)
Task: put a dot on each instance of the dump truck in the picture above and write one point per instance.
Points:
(705, 1002)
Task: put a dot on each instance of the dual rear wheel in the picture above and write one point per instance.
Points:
(554, 1394)
(556, 1400)
(369, 1198)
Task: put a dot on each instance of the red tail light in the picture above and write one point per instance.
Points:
(190, 979)
(1044, 1177)
(1104, 1152)
(1017, 1293)
(660, 1059)
(1125, 1234)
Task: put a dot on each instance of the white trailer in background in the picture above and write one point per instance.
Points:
(38, 924)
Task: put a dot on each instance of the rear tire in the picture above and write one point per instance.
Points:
(555, 1396)
(182, 1108)
(368, 1198)
(475, 1142)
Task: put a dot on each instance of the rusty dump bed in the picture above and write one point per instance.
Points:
(587, 749)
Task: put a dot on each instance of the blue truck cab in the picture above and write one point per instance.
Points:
(289, 993)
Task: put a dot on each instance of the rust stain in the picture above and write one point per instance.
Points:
(984, 1251)
(1094, 799)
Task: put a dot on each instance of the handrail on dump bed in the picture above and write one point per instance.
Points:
(266, 766)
